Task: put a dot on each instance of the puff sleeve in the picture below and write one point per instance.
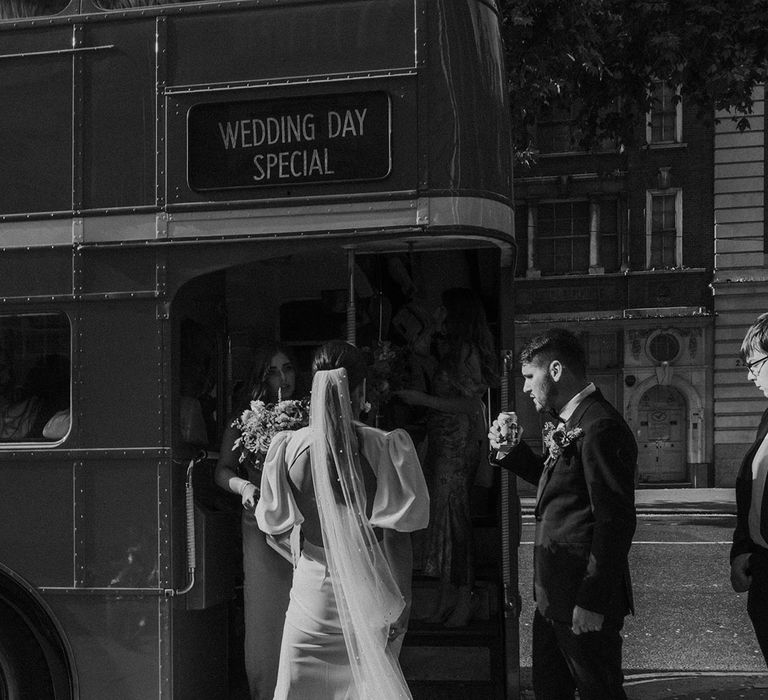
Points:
(276, 510)
(401, 502)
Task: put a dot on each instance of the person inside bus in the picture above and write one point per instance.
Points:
(456, 431)
(130, 4)
(357, 493)
(197, 404)
(266, 575)
(18, 9)
(44, 393)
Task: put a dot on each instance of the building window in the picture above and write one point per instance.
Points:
(558, 130)
(665, 123)
(664, 240)
(521, 237)
(663, 347)
(609, 235)
(554, 133)
(562, 237)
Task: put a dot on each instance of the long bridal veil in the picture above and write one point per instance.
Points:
(366, 593)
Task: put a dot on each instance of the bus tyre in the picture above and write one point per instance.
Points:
(24, 670)
(9, 678)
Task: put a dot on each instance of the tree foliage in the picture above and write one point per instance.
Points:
(602, 58)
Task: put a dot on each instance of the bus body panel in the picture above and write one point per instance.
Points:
(38, 543)
(37, 132)
(109, 271)
(121, 390)
(115, 643)
(37, 271)
(119, 115)
(439, 69)
(467, 113)
(331, 38)
(118, 511)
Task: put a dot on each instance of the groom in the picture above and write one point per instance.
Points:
(585, 519)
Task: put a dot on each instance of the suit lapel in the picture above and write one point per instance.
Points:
(543, 480)
(571, 423)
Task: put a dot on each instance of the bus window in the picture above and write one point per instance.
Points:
(130, 4)
(34, 378)
(18, 9)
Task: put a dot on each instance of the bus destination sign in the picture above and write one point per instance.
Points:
(326, 138)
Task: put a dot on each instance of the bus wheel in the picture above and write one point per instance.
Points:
(9, 681)
(24, 670)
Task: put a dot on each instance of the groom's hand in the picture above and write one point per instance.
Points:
(586, 621)
(741, 577)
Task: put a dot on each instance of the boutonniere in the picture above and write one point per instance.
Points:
(556, 439)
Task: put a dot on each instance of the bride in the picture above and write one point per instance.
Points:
(357, 494)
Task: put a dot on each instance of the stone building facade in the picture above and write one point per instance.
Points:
(740, 283)
(619, 248)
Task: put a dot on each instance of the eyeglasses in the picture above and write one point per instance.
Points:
(755, 363)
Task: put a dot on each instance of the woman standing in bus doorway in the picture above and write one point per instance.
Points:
(455, 445)
(266, 574)
(358, 493)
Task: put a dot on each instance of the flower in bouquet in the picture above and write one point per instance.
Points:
(260, 422)
(557, 439)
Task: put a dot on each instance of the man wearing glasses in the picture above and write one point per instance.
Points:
(749, 553)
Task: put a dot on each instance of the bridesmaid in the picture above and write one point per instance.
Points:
(455, 434)
(266, 575)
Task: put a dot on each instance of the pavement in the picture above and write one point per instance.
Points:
(691, 684)
(671, 500)
(685, 685)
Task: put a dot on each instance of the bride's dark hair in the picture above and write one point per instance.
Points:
(336, 354)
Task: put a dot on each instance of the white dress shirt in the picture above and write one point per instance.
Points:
(569, 408)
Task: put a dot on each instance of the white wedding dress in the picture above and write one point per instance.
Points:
(344, 597)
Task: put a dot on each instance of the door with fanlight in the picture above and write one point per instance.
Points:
(661, 436)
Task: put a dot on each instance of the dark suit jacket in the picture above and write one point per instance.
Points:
(742, 542)
(585, 515)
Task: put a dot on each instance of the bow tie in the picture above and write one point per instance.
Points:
(552, 417)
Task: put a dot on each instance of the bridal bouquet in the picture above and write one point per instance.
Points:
(556, 439)
(259, 424)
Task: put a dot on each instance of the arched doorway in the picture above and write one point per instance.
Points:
(661, 437)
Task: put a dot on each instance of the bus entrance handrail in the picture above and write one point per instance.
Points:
(189, 510)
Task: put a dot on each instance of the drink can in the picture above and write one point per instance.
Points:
(507, 422)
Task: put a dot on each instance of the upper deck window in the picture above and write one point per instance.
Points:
(130, 4)
(34, 377)
(20, 9)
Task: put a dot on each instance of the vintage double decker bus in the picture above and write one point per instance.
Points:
(179, 181)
